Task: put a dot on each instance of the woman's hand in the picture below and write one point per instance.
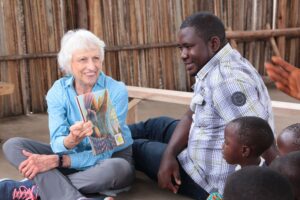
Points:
(78, 132)
(36, 163)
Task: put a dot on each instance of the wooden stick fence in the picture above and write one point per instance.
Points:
(140, 36)
(231, 35)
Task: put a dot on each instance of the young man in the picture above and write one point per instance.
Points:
(246, 138)
(186, 156)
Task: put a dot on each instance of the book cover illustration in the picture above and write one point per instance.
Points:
(97, 107)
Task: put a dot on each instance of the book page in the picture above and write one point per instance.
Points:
(97, 108)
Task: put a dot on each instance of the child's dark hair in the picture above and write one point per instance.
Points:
(254, 132)
(259, 183)
(288, 166)
(206, 25)
(294, 129)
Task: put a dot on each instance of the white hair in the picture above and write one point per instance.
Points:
(75, 40)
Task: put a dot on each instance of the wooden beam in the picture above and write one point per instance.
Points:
(237, 35)
(263, 34)
(133, 103)
(28, 56)
(6, 88)
(273, 43)
(169, 96)
(184, 98)
(232, 41)
(286, 108)
(132, 111)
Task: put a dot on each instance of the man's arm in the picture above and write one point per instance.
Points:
(169, 167)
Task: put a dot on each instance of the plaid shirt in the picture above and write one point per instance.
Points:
(227, 87)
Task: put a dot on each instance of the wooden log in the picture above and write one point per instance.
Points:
(20, 28)
(253, 21)
(294, 43)
(161, 95)
(273, 43)
(263, 34)
(82, 15)
(237, 35)
(28, 56)
(281, 21)
(132, 116)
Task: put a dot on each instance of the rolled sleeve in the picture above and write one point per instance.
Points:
(58, 146)
(234, 98)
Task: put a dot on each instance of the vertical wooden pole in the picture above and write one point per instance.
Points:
(82, 19)
(20, 28)
(273, 43)
(281, 19)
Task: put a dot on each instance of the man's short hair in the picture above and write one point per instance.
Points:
(206, 25)
(259, 183)
(254, 132)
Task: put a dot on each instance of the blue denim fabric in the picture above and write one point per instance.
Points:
(150, 141)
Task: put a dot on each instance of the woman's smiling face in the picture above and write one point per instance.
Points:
(86, 66)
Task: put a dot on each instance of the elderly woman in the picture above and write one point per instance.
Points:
(67, 168)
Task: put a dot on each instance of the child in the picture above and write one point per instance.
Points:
(289, 139)
(289, 166)
(259, 183)
(246, 138)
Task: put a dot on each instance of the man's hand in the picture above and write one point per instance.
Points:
(168, 174)
(36, 163)
(78, 132)
(285, 76)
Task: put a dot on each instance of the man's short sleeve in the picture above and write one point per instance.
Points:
(234, 98)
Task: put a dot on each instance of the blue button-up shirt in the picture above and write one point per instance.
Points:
(63, 112)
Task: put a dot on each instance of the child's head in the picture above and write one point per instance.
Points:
(246, 137)
(289, 166)
(259, 183)
(289, 139)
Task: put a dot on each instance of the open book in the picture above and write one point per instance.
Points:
(97, 107)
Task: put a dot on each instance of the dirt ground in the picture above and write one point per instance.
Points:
(36, 126)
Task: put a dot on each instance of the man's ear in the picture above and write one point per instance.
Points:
(246, 151)
(215, 43)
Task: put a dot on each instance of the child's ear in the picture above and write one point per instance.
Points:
(246, 151)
